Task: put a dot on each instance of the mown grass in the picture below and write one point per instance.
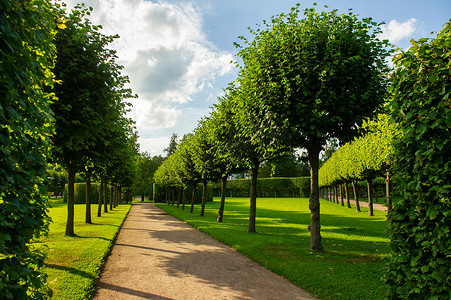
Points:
(355, 244)
(73, 263)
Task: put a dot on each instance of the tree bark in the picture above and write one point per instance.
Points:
(179, 196)
(183, 198)
(111, 196)
(221, 205)
(356, 196)
(388, 188)
(347, 195)
(370, 196)
(253, 198)
(193, 198)
(99, 208)
(341, 195)
(88, 201)
(105, 196)
(336, 194)
(72, 170)
(142, 196)
(314, 206)
(204, 196)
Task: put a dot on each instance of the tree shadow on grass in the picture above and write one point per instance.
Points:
(71, 270)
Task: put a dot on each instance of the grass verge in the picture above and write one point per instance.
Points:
(73, 263)
(355, 244)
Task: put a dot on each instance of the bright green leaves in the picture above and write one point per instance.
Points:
(420, 223)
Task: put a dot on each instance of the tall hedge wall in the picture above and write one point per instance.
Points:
(267, 187)
(159, 194)
(80, 193)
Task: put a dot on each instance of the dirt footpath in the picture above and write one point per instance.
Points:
(156, 256)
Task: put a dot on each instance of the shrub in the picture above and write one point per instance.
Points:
(420, 223)
(80, 193)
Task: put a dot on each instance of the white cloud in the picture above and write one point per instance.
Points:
(165, 53)
(155, 146)
(395, 31)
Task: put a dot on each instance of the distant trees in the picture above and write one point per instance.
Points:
(364, 158)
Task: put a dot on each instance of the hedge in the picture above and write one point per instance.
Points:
(267, 187)
(159, 195)
(80, 193)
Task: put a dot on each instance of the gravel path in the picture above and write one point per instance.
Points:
(156, 256)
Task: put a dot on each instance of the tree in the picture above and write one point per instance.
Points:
(26, 59)
(314, 79)
(172, 145)
(90, 94)
(420, 223)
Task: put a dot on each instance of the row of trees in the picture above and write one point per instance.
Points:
(303, 81)
(365, 158)
(412, 142)
(62, 102)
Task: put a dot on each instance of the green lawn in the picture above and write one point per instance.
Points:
(73, 263)
(355, 244)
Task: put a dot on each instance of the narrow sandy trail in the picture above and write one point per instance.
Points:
(156, 256)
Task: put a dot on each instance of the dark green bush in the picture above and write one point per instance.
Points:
(420, 222)
(80, 193)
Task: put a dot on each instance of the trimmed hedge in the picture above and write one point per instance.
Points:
(80, 193)
(160, 197)
(267, 187)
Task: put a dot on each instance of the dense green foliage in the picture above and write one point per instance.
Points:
(349, 269)
(267, 187)
(27, 29)
(366, 156)
(313, 78)
(80, 192)
(92, 133)
(420, 223)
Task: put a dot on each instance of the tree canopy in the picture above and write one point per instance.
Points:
(313, 78)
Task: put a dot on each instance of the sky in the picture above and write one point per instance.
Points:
(178, 54)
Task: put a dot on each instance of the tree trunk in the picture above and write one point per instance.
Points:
(356, 196)
(221, 205)
(314, 206)
(341, 195)
(336, 194)
(193, 198)
(253, 198)
(111, 196)
(88, 201)
(105, 196)
(388, 188)
(99, 209)
(179, 196)
(183, 198)
(347, 195)
(72, 170)
(142, 196)
(204, 196)
(370, 196)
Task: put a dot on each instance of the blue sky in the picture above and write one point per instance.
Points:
(177, 53)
